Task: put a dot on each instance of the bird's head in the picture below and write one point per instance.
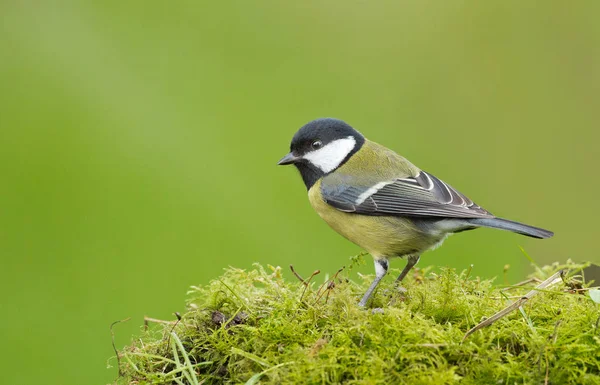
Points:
(321, 146)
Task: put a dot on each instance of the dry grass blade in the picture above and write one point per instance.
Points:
(556, 277)
(112, 336)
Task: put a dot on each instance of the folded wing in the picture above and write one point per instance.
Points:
(423, 195)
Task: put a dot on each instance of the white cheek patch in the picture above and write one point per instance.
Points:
(329, 157)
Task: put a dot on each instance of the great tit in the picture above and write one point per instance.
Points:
(379, 200)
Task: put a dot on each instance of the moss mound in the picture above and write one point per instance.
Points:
(255, 327)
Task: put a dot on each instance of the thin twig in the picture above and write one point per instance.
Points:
(112, 334)
(159, 321)
(164, 322)
(522, 283)
(564, 291)
(298, 275)
(308, 281)
(331, 284)
(319, 291)
(328, 284)
(173, 328)
(556, 277)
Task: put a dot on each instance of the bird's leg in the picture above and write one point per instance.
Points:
(410, 263)
(381, 267)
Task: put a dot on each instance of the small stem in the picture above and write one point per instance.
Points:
(112, 334)
(297, 275)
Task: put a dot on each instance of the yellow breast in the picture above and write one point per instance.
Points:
(380, 236)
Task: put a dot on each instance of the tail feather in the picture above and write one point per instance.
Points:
(515, 227)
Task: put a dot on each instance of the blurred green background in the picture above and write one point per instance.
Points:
(139, 141)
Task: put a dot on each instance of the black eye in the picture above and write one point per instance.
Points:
(317, 144)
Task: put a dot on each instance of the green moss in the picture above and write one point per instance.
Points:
(255, 327)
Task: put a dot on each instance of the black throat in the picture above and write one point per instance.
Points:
(310, 174)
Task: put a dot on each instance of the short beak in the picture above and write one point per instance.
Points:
(288, 159)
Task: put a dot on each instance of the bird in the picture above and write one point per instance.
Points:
(379, 200)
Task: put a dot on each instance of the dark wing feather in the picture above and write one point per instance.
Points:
(421, 196)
